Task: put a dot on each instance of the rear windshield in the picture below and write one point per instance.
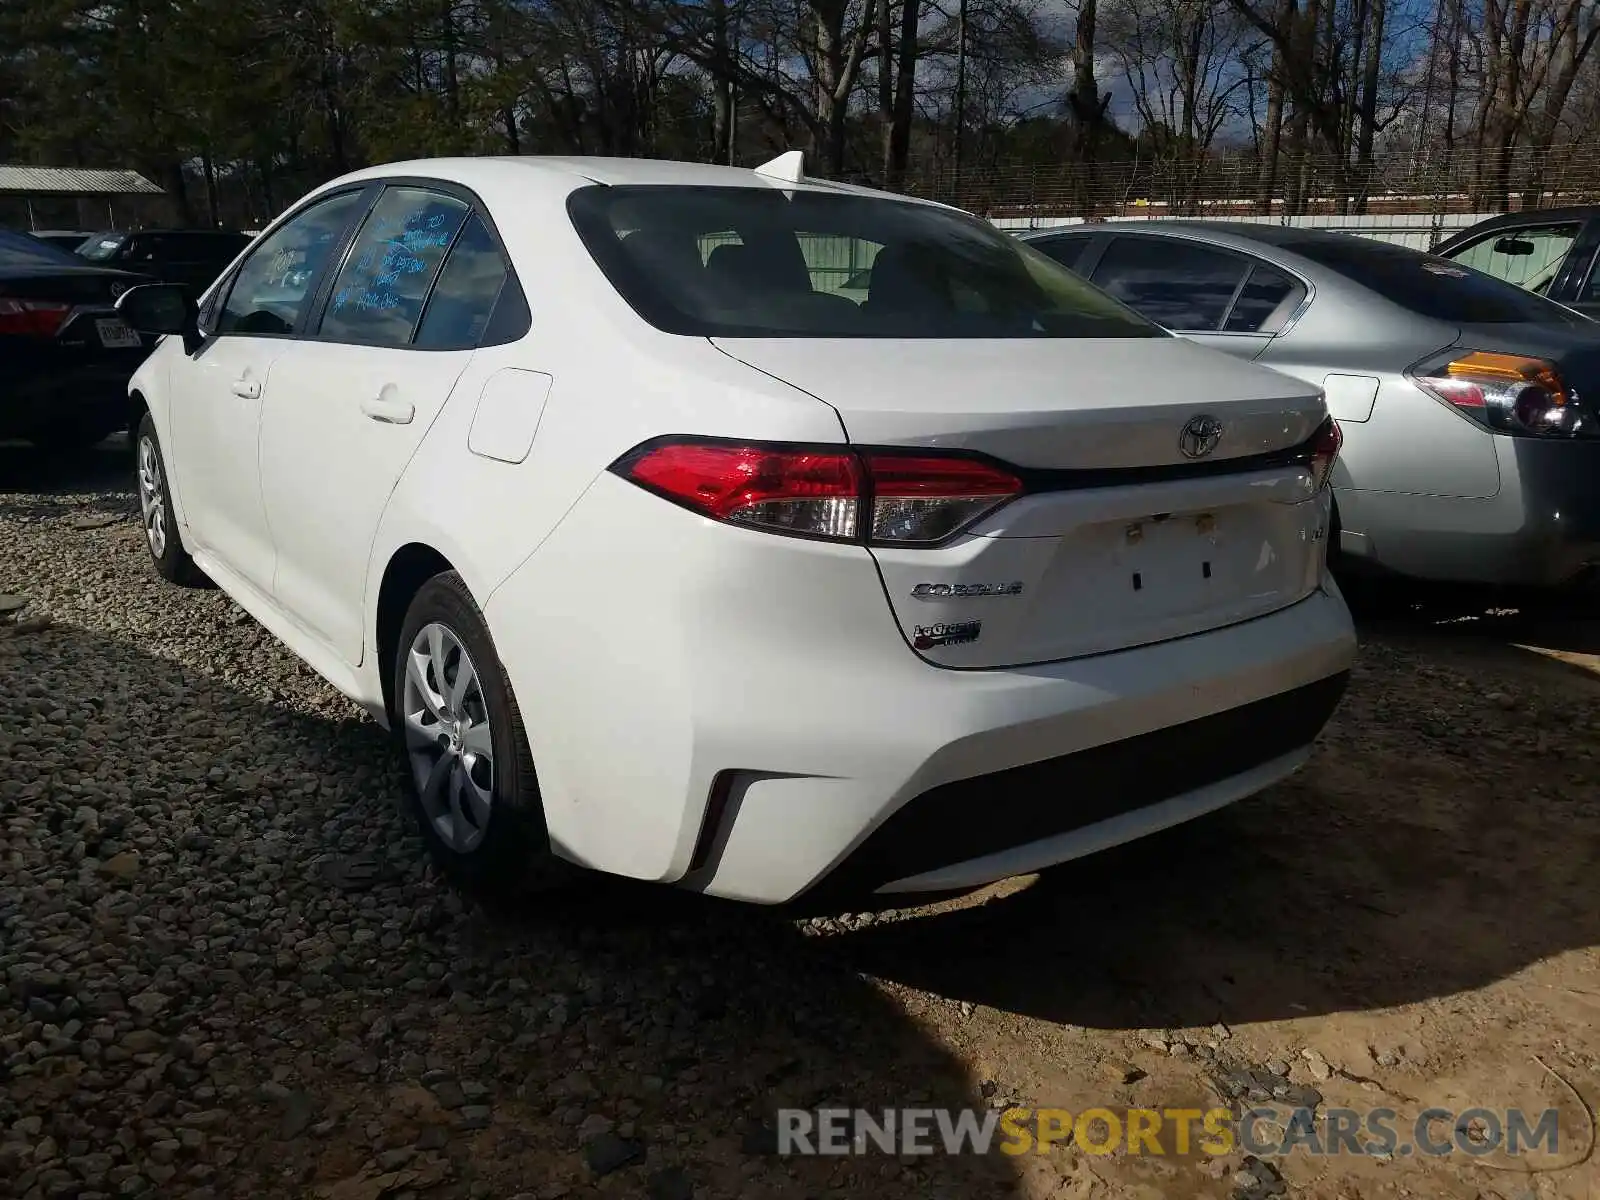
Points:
(1433, 287)
(20, 250)
(759, 262)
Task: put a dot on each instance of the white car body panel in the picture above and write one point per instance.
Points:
(343, 425)
(819, 692)
(653, 651)
(215, 432)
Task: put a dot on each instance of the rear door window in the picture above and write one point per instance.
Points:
(1066, 249)
(378, 296)
(1265, 303)
(464, 298)
(1176, 283)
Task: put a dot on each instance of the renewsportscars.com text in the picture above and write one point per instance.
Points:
(1265, 1131)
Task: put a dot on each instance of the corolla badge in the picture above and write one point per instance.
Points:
(1200, 436)
(959, 591)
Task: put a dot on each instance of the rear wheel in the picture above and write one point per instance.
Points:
(473, 789)
(172, 561)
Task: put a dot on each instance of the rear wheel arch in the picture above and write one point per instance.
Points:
(512, 856)
(411, 566)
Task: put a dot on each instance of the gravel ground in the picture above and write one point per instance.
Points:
(225, 971)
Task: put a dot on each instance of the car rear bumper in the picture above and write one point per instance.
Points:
(1020, 819)
(1541, 530)
(45, 384)
(1050, 764)
(737, 712)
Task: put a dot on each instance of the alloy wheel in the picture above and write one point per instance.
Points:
(152, 497)
(447, 737)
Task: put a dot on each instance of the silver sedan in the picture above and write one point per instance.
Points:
(1468, 406)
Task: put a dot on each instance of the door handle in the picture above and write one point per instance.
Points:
(249, 389)
(386, 408)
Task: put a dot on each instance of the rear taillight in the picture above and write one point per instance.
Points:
(32, 318)
(921, 500)
(882, 497)
(1508, 393)
(814, 492)
(1325, 451)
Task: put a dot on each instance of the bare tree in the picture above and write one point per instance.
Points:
(1183, 62)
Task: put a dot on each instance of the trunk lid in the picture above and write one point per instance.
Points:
(85, 286)
(1046, 402)
(1122, 538)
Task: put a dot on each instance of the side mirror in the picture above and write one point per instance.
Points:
(1514, 246)
(162, 308)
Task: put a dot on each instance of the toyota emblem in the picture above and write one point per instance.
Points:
(117, 289)
(1200, 436)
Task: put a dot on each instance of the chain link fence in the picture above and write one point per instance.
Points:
(1238, 183)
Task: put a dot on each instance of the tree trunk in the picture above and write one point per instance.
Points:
(1573, 46)
(1272, 129)
(1191, 135)
(452, 82)
(886, 83)
(1501, 115)
(1367, 112)
(170, 174)
(210, 170)
(905, 95)
(1454, 89)
(1087, 105)
(961, 90)
(721, 82)
(1349, 113)
(838, 62)
(1301, 62)
(269, 192)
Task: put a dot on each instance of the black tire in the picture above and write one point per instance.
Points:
(172, 561)
(513, 858)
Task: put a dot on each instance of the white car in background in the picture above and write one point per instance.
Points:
(658, 559)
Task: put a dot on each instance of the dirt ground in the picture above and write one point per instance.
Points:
(1410, 922)
(1416, 911)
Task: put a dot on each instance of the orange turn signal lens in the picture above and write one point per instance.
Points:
(1509, 368)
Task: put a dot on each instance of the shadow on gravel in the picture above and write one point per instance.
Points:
(1443, 838)
(164, 834)
(104, 471)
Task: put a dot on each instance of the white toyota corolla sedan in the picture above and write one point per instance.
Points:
(661, 556)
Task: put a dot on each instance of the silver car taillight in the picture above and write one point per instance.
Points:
(1508, 393)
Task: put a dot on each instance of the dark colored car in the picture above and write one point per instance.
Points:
(65, 355)
(1551, 252)
(62, 239)
(192, 257)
